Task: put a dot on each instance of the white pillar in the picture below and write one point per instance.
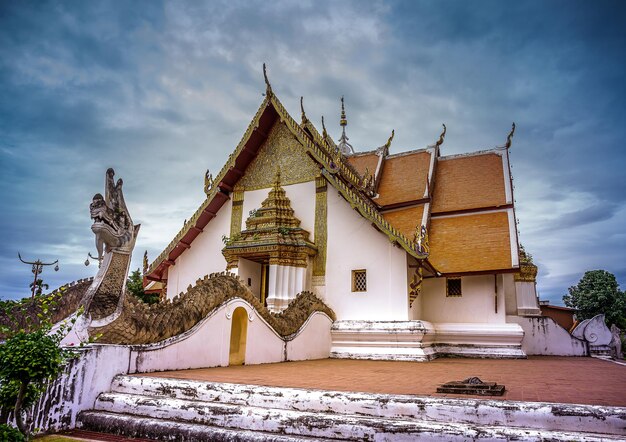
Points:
(285, 282)
(527, 304)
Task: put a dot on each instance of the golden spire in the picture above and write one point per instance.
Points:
(344, 147)
(277, 178)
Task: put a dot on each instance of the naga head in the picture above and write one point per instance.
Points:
(112, 223)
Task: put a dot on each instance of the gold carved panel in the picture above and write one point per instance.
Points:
(280, 150)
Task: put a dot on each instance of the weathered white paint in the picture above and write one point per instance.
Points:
(479, 340)
(544, 336)
(204, 257)
(421, 340)
(597, 335)
(78, 387)
(478, 303)
(386, 340)
(345, 415)
(354, 244)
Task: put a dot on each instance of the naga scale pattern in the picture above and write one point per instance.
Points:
(141, 323)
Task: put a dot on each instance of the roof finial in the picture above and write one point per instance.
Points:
(277, 178)
(508, 139)
(441, 137)
(388, 143)
(268, 86)
(324, 133)
(304, 118)
(145, 262)
(344, 147)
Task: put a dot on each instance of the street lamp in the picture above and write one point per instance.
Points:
(99, 259)
(37, 269)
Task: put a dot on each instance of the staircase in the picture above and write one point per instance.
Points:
(183, 410)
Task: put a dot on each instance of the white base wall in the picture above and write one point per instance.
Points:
(544, 336)
(421, 340)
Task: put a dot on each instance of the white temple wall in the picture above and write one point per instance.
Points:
(353, 244)
(302, 197)
(477, 304)
(510, 295)
(250, 270)
(204, 257)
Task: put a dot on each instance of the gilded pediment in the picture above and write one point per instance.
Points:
(281, 151)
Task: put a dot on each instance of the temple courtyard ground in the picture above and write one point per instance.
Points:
(541, 378)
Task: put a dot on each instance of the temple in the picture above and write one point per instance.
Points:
(416, 252)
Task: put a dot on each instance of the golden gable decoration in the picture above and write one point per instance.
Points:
(273, 234)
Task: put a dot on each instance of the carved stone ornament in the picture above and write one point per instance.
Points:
(112, 223)
(527, 269)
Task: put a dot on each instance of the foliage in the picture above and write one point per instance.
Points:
(30, 356)
(598, 292)
(134, 284)
(39, 285)
(10, 434)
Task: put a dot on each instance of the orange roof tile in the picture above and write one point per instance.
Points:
(405, 220)
(403, 178)
(470, 243)
(361, 162)
(468, 182)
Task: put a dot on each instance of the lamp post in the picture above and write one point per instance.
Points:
(37, 269)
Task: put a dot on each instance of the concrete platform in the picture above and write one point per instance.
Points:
(554, 379)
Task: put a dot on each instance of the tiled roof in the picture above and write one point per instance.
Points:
(405, 220)
(403, 178)
(470, 243)
(361, 162)
(469, 182)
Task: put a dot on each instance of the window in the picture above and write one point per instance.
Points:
(359, 281)
(453, 287)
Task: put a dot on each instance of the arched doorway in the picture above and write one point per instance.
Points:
(238, 335)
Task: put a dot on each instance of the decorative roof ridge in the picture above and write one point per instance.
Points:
(214, 189)
(360, 154)
(409, 152)
(471, 154)
(320, 150)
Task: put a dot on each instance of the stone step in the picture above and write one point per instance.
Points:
(163, 429)
(118, 410)
(548, 416)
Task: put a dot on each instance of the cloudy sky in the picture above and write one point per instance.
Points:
(163, 91)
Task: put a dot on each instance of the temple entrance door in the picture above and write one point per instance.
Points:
(265, 283)
(238, 337)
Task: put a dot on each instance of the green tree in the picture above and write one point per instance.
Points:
(30, 356)
(40, 286)
(134, 284)
(598, 292)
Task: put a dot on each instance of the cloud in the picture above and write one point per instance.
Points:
(161, 91)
